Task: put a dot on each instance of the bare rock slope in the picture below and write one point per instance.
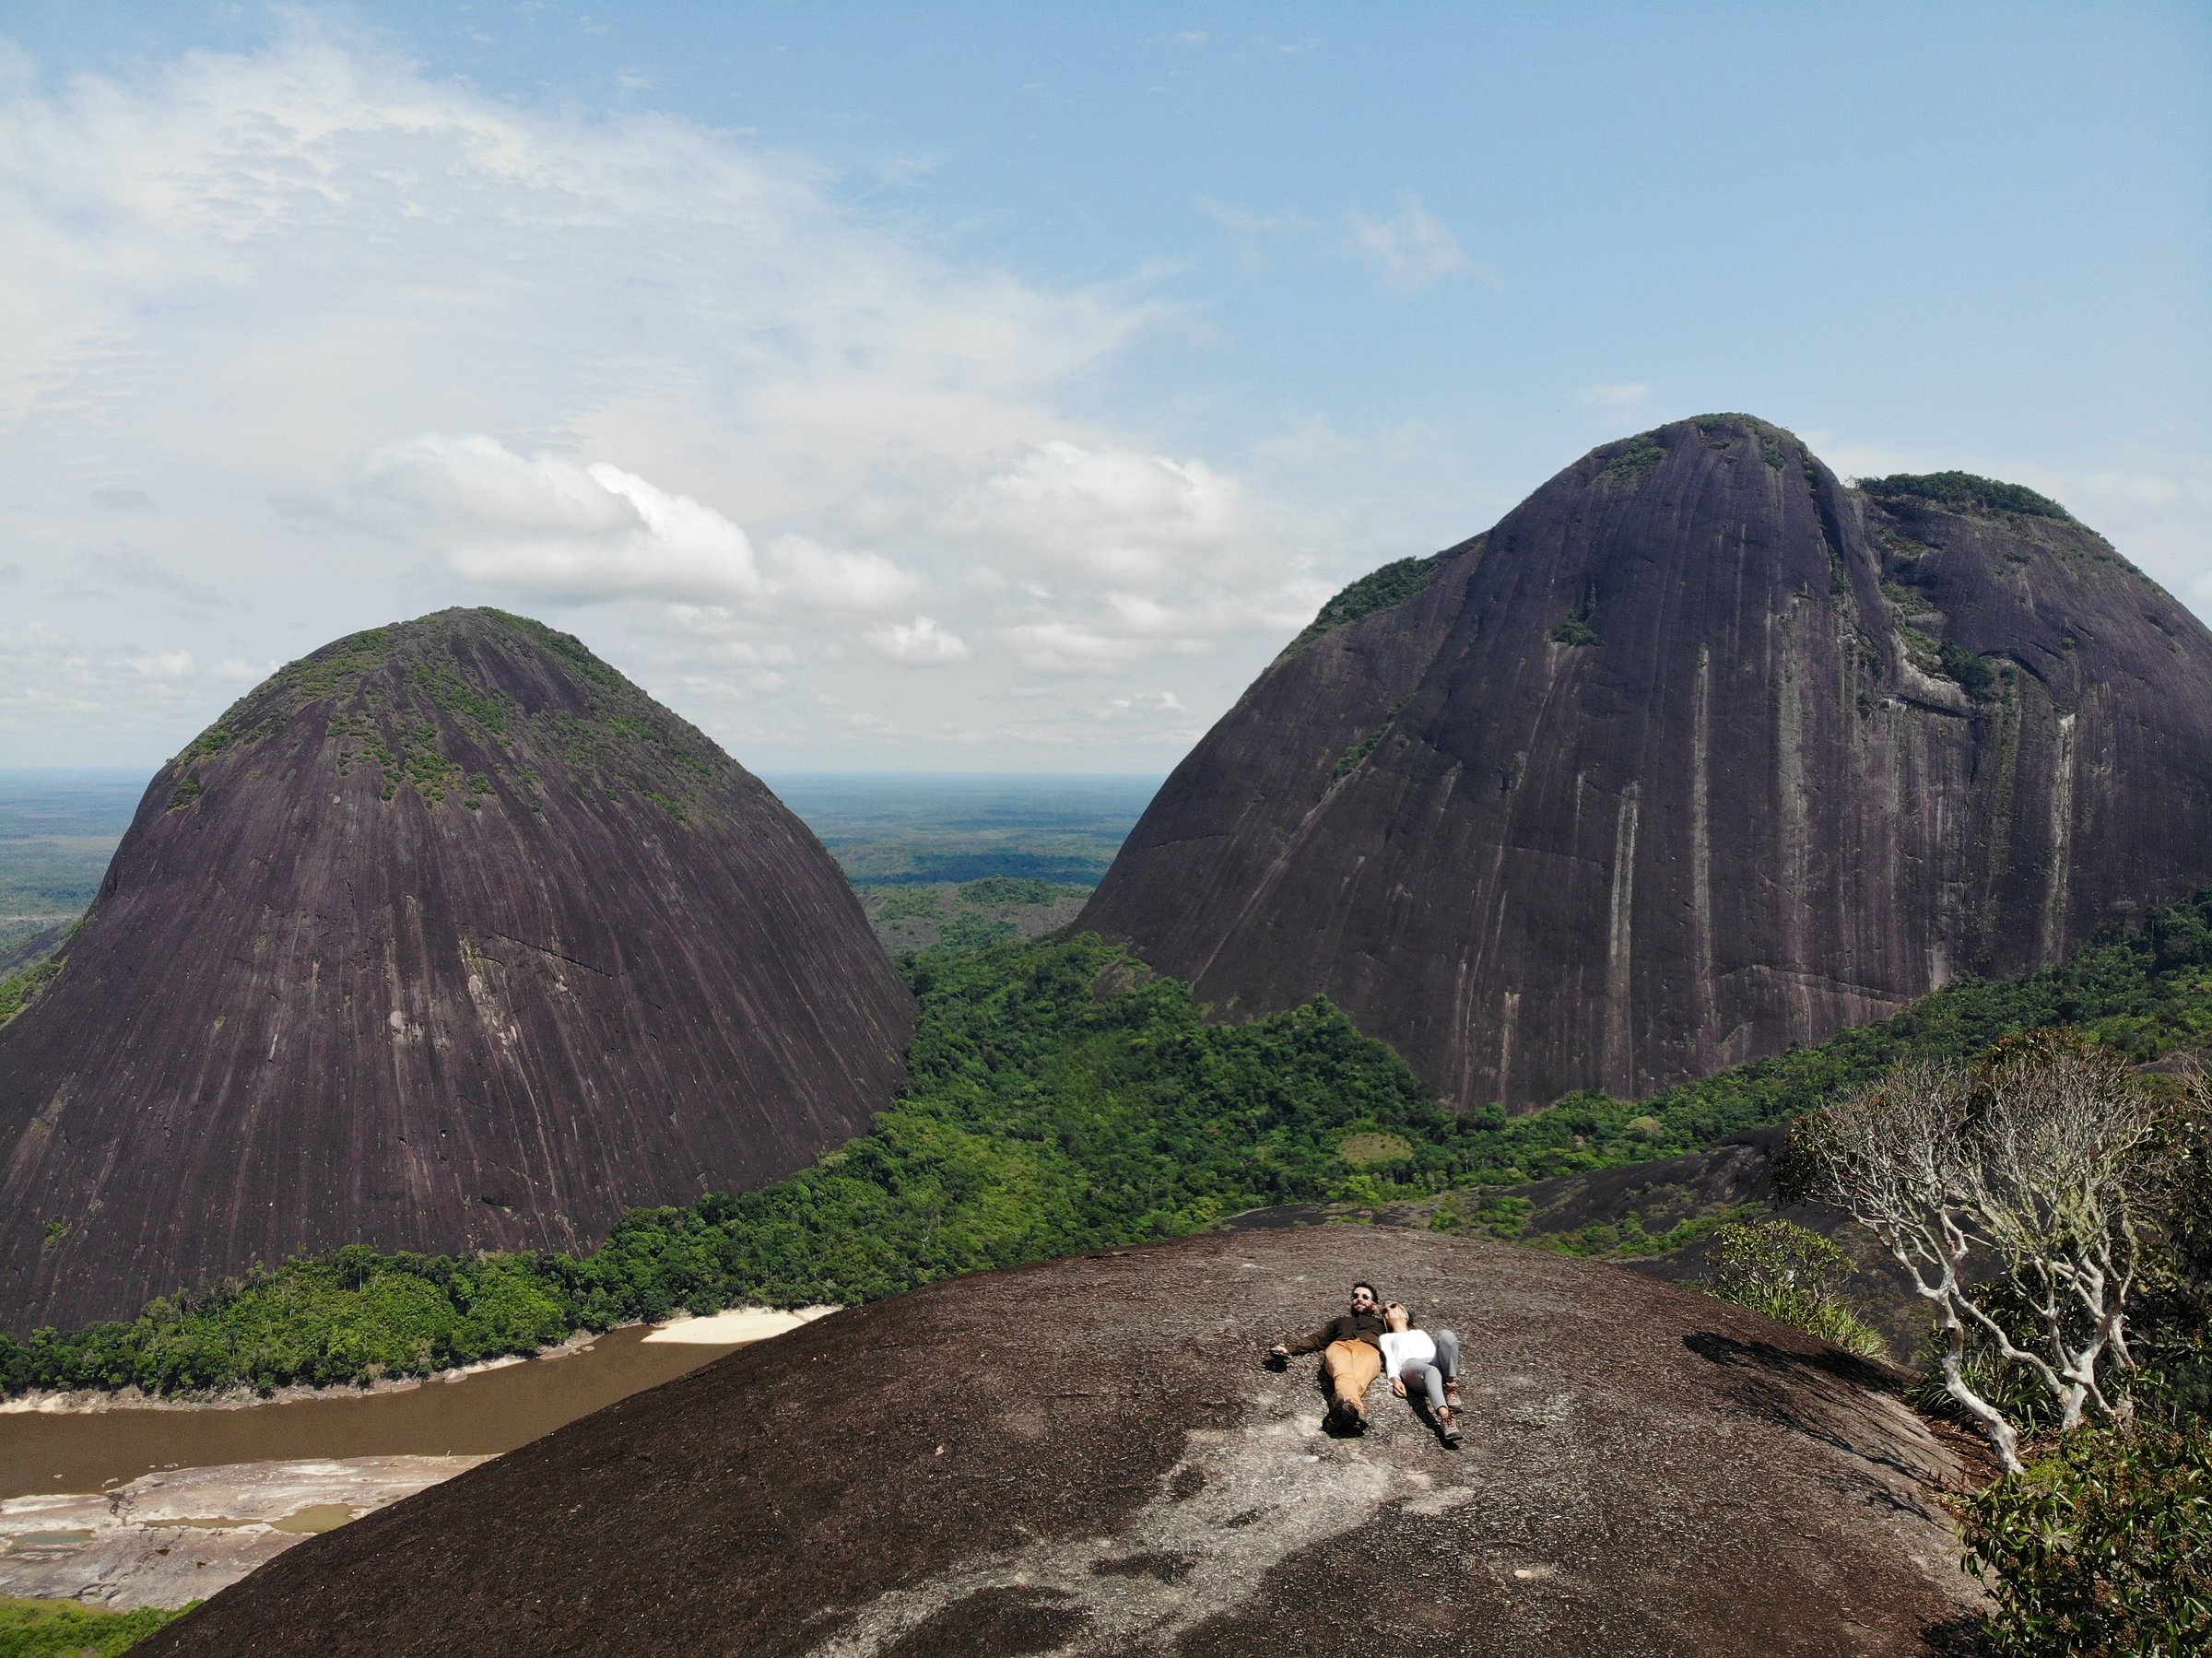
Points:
(447, 936)
(1087, 1457)
(1697, 754)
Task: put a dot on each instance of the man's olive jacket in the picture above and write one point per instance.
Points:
(1350, 1326)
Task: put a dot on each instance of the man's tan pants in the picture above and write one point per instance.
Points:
(1351, 1367)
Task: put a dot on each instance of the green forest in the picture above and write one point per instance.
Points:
(1064, 1097)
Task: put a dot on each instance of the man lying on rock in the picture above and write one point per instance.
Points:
(1357, 1347)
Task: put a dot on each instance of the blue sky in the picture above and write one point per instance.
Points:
(995, 388)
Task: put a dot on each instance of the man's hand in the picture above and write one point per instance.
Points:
(1398, 1386)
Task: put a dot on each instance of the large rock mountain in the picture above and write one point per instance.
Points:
(1697, 754)
(1087, 1458)
(447, 936)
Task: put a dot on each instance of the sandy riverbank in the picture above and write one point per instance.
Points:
(181, 1535)
(737, 1325)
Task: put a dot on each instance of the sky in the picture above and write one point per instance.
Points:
(993, 388)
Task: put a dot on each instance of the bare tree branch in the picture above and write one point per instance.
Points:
(2026, 1172)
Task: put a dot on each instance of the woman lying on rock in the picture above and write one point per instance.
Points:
(1429, 1361)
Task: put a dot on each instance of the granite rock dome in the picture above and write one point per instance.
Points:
(447, 936)
(1697, 754)
(1087, 1458)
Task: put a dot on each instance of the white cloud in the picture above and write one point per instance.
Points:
(1614, 396)
(545, 528)
(1101, 514)
(1071, 648)
(825, 579)
(1142, 703)
(1412, 251)
(920, 643)
(1248, 221)
(168, 664)
(693, 399)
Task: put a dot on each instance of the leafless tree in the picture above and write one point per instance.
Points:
(2029, 1171)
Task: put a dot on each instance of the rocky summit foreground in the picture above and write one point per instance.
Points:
(1087, 1457)
(446, 936)
(1696, 755)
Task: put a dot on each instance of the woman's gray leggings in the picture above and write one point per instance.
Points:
(1446, 1368)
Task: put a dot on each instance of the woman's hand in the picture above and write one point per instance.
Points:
(1398, 1386)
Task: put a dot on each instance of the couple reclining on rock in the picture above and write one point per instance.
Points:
(1372, 1340)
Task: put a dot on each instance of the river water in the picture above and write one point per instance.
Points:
(484, 1414)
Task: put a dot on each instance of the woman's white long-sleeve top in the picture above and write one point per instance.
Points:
(1404, 1348)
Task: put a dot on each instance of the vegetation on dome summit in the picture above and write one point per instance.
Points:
(388, 686)
(1381, 589)
(1964, 492)
(1065, 1098)
(1632, 461)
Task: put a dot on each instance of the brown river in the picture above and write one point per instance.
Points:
(477, 1415)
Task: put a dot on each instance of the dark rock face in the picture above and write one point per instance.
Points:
(1697, 754)
(447, 936)
(1088, 1458)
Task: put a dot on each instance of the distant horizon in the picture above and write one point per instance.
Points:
(764, 773)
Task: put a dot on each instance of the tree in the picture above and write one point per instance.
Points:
(2023, 1181)
(1793, 1273)
(2172, 1326)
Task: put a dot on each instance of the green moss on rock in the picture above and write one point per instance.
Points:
(1384, 589)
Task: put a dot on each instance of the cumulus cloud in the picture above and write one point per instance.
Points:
(167, 665)
(1100, 514)
(1073, 648)
(545, 528)
(688, 397)
(920, 643)
(1412, 251)
(826, 579)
